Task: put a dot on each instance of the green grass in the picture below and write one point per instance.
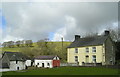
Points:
(67, 71)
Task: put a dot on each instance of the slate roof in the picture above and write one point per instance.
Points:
(13, 56)
(3, 65)
(45, 57)
(88, 41)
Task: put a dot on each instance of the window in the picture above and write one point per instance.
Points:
(48, 64)
(87, 50)
(37, 63)
(94, 58)
(93, 49)
(76, 50)
(76, 58)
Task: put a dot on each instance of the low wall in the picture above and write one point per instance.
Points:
(3, 70)
(69, 64)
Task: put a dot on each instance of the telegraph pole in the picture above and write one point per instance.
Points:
(62, 43)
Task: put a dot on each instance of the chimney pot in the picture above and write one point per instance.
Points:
(107, 32)
(77, 37)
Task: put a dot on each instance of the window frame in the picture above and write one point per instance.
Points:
(38, 63)
(94, 58)
(87, 58)
(94, 49)
(76, 58)
(76, 50)
(87, 50)
(48, 64)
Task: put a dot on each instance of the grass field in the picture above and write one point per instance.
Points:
(66, 71)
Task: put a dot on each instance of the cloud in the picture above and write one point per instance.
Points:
(70, 24)
(37, 20)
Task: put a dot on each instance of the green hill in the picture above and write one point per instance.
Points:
(49, 48)
(17, 49)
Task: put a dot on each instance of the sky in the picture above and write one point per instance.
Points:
(54, 20)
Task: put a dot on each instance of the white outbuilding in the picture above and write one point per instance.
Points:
(47, 61)
(12, 61)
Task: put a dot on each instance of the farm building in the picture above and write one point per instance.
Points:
(47, 61)
(92, 50)
(12, 61)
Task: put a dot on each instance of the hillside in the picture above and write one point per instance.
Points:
(17, 49)
(53, 48)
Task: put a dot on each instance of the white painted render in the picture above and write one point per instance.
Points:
(38, 63)
(56, 58)
(6, 69)
(28, 63)
(14, 66)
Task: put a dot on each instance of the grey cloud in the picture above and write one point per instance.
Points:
(36, 20)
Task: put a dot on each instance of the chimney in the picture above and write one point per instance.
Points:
(77, 37)
(107, 32)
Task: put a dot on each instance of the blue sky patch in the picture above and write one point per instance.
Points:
(51, 35)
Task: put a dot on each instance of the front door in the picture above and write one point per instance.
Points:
(17, 68)
(87, 59)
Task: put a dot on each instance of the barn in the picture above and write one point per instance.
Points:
(47, 61)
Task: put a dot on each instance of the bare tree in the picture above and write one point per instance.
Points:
(5, 44)
(22, 43)
(18, 43)
(28, 43)
(10, 44)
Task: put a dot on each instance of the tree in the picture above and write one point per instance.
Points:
(5, 44)
(27, 51)
(91, 34)
(10, 44)
(114, 34)
(22, 43)
(18, 43)
(28, 43)
(43, 45)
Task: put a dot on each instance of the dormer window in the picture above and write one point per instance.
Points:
(76, 50)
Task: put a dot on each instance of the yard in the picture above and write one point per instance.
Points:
(66, 71)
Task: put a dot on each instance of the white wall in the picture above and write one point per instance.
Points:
(13, 66)
(56, 58)
(43, 61)
(28, 62)
(2, 70)
(20, 64)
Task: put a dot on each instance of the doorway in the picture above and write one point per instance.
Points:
(42, 64)
(17, 68)
(87, 59)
